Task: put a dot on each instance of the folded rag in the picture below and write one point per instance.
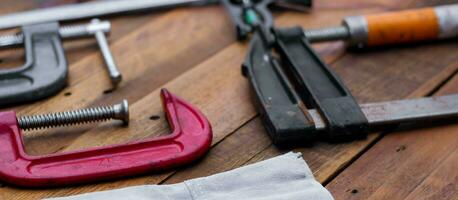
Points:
(284, 177)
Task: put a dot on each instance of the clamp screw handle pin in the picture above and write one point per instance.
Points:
(119, 111)
(115, 75)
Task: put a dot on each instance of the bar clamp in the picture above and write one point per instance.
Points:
(301, 99)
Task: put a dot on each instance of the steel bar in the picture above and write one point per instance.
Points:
(327, 34)
(88, 10)
(402, 111)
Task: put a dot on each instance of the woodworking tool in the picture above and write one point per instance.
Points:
(397, 27)
(301, 99)
(190, 139)
(45, 70)
(89, 10)
(439, 22)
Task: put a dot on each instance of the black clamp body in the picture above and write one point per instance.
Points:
(242, 12)
(299, 80)
(275, 98)
(44, 72)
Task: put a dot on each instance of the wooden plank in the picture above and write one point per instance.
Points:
(218, 79)
(85, 59)
(139, 84)
(357, 71)
(240, 146)
(10, 6)
(213, 86)
(205, 170)
(440, 184)
(75, 50)
(151, 66)
(326, 159)
(220, 88)
(205, 35)
(405, 164)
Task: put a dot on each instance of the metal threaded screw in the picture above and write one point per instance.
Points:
(11, 40)
(73, 31)
(119, 111)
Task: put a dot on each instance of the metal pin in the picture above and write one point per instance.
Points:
(115, 75)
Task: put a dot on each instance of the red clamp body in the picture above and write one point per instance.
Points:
(190, 139)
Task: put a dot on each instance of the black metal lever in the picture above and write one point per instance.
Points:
(319, 87)
(286, 87)
(275, 98)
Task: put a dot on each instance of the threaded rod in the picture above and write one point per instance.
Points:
(66, 118)
(73, 31)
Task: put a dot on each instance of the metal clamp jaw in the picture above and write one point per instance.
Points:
(45, 70)
(245, 13)
(301, 99)
(284, 102)
(190, 139)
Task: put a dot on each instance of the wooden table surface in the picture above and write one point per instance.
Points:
(193, 53)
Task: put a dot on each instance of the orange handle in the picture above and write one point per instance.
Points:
(402, 27)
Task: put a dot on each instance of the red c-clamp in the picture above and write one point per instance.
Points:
(190, 139)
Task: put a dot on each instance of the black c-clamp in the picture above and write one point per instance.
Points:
(45, 70)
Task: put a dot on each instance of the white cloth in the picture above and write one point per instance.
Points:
(284, 177)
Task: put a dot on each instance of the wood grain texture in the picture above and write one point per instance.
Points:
(441, 183)
(416, 164)
(192, 52)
